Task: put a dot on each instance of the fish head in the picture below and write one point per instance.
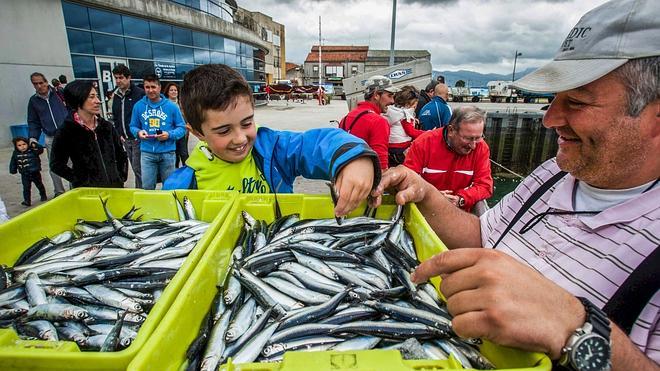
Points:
(272, 349)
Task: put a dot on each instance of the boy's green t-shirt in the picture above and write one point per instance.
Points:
(213, 173)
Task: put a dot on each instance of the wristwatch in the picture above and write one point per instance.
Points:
(461, 201)
(589, 347)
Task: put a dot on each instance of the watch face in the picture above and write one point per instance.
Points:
(591, 353)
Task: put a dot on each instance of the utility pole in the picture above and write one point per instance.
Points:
(320, 63)
(393, 32)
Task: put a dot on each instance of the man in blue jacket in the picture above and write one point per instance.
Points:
(45, 113)
(436, 113)
(126, 96)
(158, 123)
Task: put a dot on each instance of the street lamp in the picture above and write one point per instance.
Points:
(515, 59)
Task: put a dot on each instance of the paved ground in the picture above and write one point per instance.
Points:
(280, 115)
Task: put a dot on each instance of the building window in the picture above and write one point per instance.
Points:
(200, 40)
(135, 27)
(80, 41)
(75, 15)
(182, 36)
(139, 69)
(183, 54)
(217, 42)
(163, 52)
(108, 45)
(334, 71)
(315, 68)
(160, 32)
(105, 21)
(218, 57)
(138, 49)
(83, 67)
(202, 56)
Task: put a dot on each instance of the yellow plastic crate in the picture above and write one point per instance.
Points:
(61, 214)
(166, 348)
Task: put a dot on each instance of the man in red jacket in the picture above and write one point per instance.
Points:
(455, 159)
(365, 120)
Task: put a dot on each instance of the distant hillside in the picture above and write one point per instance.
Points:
(476, 79)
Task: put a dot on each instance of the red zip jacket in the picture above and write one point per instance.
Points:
(370, 127)
(467, 176)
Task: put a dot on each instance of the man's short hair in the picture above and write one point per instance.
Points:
(211, 87)
(38, 74)
(76, 93)
(430, 87)
(642, 84)
(151, 78)
(62, 79)
(464, 114)
(121, 69)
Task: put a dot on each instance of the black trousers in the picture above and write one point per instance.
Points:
(28, 179)
(182, 151)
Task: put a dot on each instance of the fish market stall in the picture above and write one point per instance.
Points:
(293, 298)
(89, 275)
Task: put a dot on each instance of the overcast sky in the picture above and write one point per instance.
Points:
(477, 35)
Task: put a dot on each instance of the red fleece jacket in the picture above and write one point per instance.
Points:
(371, 127)
(467, 176)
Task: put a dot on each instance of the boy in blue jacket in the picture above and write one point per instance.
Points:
(158, 123)
(233, 154)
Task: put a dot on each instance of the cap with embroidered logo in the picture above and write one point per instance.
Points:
(379, 83)
(603, 39)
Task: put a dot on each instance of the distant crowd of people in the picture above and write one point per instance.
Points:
(418, 130)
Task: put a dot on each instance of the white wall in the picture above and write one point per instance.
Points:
(33, 40)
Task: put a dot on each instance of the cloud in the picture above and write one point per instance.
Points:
(481, 35)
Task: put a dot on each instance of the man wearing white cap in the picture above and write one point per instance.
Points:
(570, 259)
(365, 120)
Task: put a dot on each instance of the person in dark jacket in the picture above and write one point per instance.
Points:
(25, 160)
(90, 142)
(45, 113)
(126, 95)
(425, 96)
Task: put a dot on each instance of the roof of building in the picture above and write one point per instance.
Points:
(417, 53)
(338, 53)
(290, 66)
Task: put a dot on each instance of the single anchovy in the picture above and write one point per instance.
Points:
(357, 343)
(252, 348)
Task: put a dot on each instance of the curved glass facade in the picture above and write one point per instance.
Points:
(149, 46)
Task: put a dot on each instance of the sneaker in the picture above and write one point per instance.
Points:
(44, 198)
(26, 203)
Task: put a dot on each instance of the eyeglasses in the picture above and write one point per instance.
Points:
(472, 139)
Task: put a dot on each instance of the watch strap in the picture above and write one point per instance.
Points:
(597, 318)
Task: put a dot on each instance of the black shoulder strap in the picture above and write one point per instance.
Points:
(530, 201)
(343, 122)
(635, 292)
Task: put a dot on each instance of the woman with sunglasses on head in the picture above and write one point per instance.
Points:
(401, 116)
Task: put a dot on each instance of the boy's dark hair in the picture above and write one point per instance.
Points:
(211, 86)
(19, 139)
(76, 93)
(62, 79)
(151, 78)
(121, 69)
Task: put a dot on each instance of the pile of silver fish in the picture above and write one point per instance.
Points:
(314, 285)
(95, 285)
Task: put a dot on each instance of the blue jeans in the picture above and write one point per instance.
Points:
(154, 165)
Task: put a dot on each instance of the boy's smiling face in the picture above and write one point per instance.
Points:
(230, 134)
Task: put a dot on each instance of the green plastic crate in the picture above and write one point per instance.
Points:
(61, 214)
(165, 349)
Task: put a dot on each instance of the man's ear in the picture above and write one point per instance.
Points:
(194, 132)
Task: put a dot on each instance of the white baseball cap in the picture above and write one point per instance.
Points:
(604, 39)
